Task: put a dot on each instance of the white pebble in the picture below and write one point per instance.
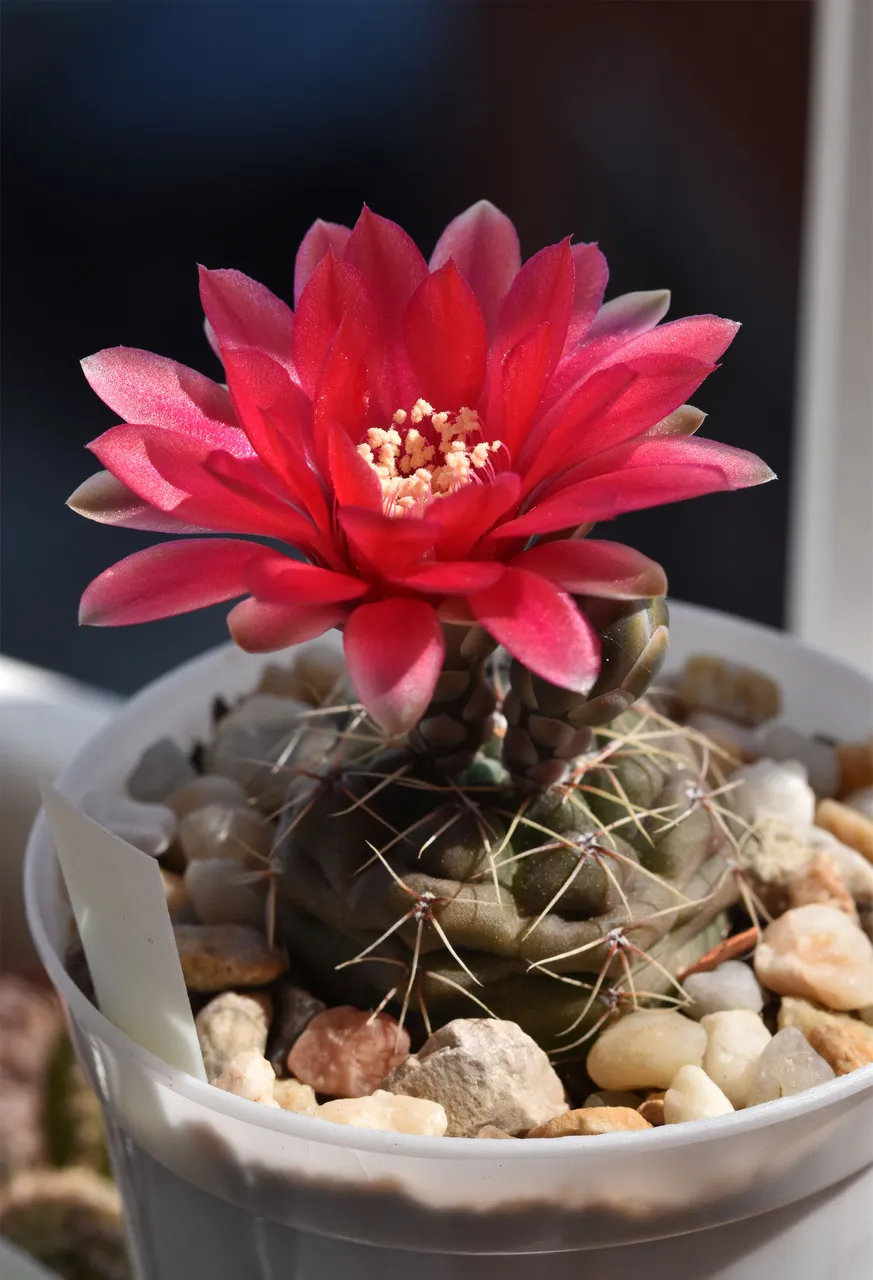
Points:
(735, 1040)
(229, 1024)
(291, 1095)
(645, 1049)
(774, 789)
(693, 1096)
(249, 1075)
(855, 870)
(818, 953)
(820, 759)
(394, 1112)
(149, 827)
(222, 892)
(788, 1065)
(732, 985)
(161, 769)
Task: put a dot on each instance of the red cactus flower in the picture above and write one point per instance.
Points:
(409, 428)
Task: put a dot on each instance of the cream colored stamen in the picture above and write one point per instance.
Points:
(412, 471)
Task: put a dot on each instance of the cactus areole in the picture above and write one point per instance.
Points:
(503, 818)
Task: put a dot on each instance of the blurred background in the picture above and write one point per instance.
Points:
(140, 138)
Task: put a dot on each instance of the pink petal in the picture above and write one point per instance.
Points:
(171, 578)
(103, 498)
(484, 245)
(280, 580)
(451, 577)
(243, 313)
(320, 237)
(456, 523)
(343, 395)
(524, 373)
(169, 471)
(394, 651)
(394, 268)
(145, 388)
(589, 567)
(593, 424)
(694, 337)
(606, 496)
(446, 340)
(740, 469)
(541, 292)
(333, 290)
(591, 276)
(355, 483)
(541, 627)
(259, 627)
(276, 416)
(382, 545)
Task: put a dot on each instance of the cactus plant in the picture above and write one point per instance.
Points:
(437, 440)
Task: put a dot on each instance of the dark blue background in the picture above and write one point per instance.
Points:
(140, 138)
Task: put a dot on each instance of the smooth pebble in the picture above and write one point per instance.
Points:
(818, 953)
(774, 789)
(161, 769)
(590, 1121)
(788, 1065)
(735, 1040)
(861, 801)
(693, 1096)
(741, 693)
(209, 788)
(391, 1111)
(803, 1014)
(221, 891)
(216, 831)
(148, 827)
(645, 1049)
(820, 881)
(732, 985)
(221, 956)
(844, 1047)
(819, 758)
(347, 1053)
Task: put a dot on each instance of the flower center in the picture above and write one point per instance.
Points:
(425, 455)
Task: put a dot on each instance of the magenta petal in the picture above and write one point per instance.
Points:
(260, 627)
(591, 276)
(605, 496)
(451, 577)
(484, 245)
(141, 387)
(279, 580)
(103, 498)
(243, 313)
(320, 237)
(394, 651)
(171, 578)
(594, 567)
(540, 626)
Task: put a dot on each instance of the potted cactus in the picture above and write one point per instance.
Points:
(482, 809)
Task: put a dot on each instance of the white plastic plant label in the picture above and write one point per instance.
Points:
(120, 907)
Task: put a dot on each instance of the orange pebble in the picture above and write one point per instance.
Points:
(848, 825)
(856, 766)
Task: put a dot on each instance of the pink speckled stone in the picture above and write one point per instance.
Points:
(343, 1054)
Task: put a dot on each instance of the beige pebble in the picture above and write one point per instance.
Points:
(219, 831)
(645, 1049)
(318, 674)
(848, 825)
(693, 1096)
(208, 789)
(818, 953)
(221, 956)
(862, 800)
(856, 767)
(781, 742)
(805, 1016)
(491, 1131)
(820, 881)
(222, 891)
(231, 1023)
(347, 1053)
(174, 890)
(589, 1121)
(653, 1110)
(774, 789)
(291, 1095)
(735, 1040)
(393, 1112)
(843, 1047)
(249, 1075)
(727, 689)
(483, 1071)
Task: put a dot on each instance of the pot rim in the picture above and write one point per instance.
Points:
(40, 856)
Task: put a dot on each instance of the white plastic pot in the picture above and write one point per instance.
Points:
(223, 1187)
